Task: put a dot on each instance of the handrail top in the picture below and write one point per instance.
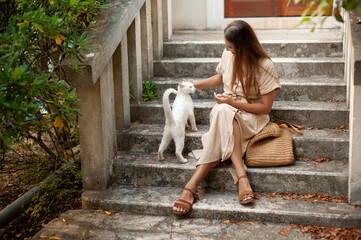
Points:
(112, 25)
(355, 33)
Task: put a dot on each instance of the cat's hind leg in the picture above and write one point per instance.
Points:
(179, 145)
(192, 120)
(167, 136)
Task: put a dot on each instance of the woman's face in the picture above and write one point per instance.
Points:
(229, 46)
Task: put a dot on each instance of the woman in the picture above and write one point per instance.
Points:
(250, 80)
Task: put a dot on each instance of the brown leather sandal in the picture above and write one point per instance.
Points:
(187, 206)
(245, 194)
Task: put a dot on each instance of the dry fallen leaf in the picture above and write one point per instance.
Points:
(108, 213)
(43, 236)
(54, 238)
(282, 233)
(64, 220)
(251, 223)
(227, 221)
(228, 236)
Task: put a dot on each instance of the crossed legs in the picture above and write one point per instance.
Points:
(202, 170)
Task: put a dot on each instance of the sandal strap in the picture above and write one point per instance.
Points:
(194, 193)
(243, 176)
(184, 201)
(240, 177)
(246, 193)
(183, 204)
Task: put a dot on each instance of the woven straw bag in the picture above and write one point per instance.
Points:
(273, 146)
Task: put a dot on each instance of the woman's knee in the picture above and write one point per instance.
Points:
(220, 108)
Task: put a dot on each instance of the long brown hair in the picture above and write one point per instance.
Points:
(247, 55)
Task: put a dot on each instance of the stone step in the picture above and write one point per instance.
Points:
(309, 114)
(144, 169)
(286, 67)
(224, 205)
(292, 89)
(312, 144)
(97, 225)
(204, 49)
(296, 34)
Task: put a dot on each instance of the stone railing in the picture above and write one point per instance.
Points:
(127, 37)
(352, 47)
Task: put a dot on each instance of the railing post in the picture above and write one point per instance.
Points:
(121, 85)
(167, 19)
(135, 60)
(97, 132)
(353, 69)
(146, 40)
(157, 29)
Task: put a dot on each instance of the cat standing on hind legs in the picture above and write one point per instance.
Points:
(176, 118)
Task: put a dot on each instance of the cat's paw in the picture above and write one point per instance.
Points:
(181, 158)
(160, 156)
(194, 129)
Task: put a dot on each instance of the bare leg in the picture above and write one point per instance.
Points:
(237, 161)
(200, 172)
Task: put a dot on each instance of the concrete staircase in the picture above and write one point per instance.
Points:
(311, 70)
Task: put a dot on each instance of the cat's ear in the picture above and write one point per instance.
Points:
(181, 85)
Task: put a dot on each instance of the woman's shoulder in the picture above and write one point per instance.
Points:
(267, 68)
(266, 63)
(226, 54)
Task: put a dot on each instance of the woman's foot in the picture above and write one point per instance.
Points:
(184, 203)
(245, 191)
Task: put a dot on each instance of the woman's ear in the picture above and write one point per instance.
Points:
(181, 85)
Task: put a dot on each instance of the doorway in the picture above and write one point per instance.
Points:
(262, 8)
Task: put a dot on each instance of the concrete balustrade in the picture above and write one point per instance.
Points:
(157, 29)
(126, 38)
(353, 78)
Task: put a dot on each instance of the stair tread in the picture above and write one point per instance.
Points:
(123, 225)
(218, 204)
(319, 134)
(141, 159)
(270, 34)
(275, 60)
(284, 81)
(265, 41)
(277, 105)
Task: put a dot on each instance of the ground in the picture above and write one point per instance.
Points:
(20, 172)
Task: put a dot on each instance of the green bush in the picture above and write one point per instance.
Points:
(319, 8)
(36, 100)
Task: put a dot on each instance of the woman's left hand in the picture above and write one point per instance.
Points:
(223, 99)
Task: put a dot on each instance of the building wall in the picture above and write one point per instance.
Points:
(189, 14)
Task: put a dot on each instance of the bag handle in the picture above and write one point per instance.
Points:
(291, 126)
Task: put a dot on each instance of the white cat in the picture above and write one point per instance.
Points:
(176, 119)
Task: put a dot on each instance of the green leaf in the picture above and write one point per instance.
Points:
(83, 37)
(73, 2)
(16, 73)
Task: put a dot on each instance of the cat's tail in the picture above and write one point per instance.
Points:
(169, 119)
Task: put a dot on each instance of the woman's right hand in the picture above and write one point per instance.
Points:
(194, 83)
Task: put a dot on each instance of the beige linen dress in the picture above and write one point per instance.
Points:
(218, 142)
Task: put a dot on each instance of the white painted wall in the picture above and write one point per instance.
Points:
(209, 14)
(189, 14)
